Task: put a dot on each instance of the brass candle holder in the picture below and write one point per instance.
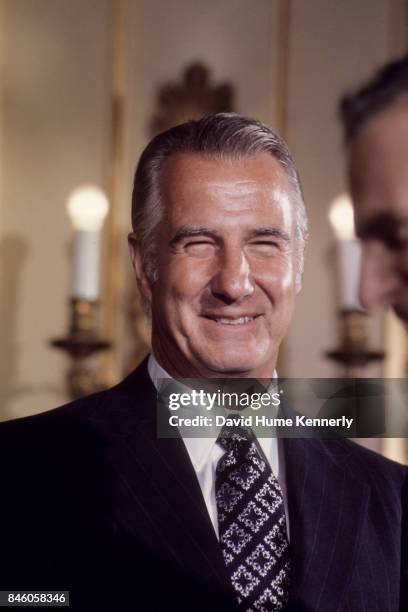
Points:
(354, 353)
(81, 343)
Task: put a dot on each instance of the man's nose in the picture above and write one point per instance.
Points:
(379, 279)
(233, 279)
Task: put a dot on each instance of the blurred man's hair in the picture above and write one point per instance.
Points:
(376, 95)
(225, 136)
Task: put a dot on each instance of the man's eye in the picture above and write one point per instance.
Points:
(265, 245)
(199, 246)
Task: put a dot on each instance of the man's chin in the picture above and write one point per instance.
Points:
(232, 368)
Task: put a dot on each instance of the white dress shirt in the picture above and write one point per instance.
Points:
(205, 453)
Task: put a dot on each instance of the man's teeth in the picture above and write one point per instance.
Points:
(239, 321)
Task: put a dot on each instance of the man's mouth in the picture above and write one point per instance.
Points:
(243, 320)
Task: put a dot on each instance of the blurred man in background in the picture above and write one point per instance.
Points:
(375, 120)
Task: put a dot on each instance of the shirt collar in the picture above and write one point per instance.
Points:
(199, 449)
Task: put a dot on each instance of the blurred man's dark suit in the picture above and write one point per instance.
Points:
(94, 503)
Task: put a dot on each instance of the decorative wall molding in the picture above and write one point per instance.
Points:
(193, 96)
(113, 270)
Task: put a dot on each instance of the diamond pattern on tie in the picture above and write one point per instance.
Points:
(252, 523)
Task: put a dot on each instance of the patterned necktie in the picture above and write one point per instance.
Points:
(252, 523)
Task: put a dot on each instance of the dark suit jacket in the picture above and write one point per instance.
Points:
(94, 503)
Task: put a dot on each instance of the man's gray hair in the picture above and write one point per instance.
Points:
(225, 136)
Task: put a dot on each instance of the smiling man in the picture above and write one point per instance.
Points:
(95, 502)
(228, 268)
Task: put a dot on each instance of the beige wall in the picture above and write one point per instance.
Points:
(54, 126)
(334, 46)
(55, 122)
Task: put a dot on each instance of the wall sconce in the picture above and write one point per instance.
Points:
(87, 209)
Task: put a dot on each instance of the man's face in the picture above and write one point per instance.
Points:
(226, 285)
(379, 184)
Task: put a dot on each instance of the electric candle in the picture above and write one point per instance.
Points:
(341, 217)
(87, 208)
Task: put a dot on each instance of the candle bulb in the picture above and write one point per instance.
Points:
(87, 208)
(341, 217)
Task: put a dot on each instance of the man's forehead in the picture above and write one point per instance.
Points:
(379, 169)
(234, 187)
(387, 128)
(380, 149)
(240, 194)
(242, 183)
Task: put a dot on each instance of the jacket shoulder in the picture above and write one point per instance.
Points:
(367, 465)
(84, 409)
(76, 410)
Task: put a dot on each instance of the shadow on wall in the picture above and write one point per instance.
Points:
(13, 252)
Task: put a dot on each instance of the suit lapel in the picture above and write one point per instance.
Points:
(159, 472)
(327, 510)
(158, 494)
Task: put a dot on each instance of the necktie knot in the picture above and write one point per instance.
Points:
(235, 439)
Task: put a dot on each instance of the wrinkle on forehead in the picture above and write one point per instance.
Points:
(249, 189)
(233, 187)
(192, 183)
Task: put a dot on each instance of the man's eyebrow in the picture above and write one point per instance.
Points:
(274, 232)
(191, 232)
(383, 225)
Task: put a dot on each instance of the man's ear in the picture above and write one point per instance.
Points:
(137, 264)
